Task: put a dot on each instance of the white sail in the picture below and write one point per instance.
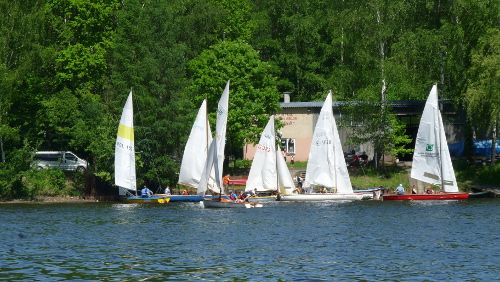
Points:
(285, 181)
(220, 132)
(210, 167)
(326, 165)
(263, 173)
(124, 149)
(215, 156)
(196, 150)
(431, 158)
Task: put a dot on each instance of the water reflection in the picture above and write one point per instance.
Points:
(288, 241)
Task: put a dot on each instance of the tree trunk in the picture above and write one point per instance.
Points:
(384, 86)
(1, 149)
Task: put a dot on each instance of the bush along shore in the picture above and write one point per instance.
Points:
(56, 186)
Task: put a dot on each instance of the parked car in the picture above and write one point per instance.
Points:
(64, 160)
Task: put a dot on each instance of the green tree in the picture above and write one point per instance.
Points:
(80, 36)
(150, 56)
(483, 91)
(237, 23)
(376, 124)
(295, 44)
(252, 97)
(8, 134)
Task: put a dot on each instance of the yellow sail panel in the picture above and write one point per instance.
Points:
(126, 132)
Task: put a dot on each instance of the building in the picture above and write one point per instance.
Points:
(299, 119)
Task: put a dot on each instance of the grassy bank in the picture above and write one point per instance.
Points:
(391, 176)
(388, 178)
(68, 186)
(478, 175)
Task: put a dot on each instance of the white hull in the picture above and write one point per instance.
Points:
(367, 196)
(229, 204)
(370, 194)
(262, 199)
(321, 197)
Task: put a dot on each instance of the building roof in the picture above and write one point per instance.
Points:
(401, 107)
(395, 104)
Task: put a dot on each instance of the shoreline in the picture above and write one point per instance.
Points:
(51, 200)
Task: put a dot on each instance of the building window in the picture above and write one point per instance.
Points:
(288, 145)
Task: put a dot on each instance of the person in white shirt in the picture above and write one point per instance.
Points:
(167, 190)
(400, 190)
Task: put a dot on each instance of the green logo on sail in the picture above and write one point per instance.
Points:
(429, 147)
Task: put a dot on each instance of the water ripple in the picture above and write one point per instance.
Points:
(353, 241)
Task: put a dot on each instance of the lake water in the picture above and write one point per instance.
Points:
(357, 241)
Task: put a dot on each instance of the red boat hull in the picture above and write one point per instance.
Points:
(238, 182)
(426, 197)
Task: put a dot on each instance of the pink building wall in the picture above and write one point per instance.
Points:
(298, 124)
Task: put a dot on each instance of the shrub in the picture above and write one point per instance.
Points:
(48, 182)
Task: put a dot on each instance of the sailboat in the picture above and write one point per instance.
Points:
(269, 173)
(125, 177)
(215, 159)
(285, 182)
(195, 155)
(326, 167)
(431, 158)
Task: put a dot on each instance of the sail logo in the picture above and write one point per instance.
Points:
(263, 148)
(323, 142)
(429, 147)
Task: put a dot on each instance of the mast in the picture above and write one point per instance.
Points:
(278, 196)
(206, 130)
(334, 156)
(206, 122)
(217, 171)
(440, 159)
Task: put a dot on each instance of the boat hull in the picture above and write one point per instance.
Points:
(238, 182)
(207, 203)
(155, 199)
(370, 194)
(262, 199)
(426, 197)
(481, 195)
(321, 197)
(184, 198)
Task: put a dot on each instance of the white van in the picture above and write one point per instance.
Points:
(64, 160)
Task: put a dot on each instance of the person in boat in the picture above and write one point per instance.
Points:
(225, 180)
(299, 181)
(244, 197)
(233, 196)
(413, 190)
(400, 190)
(363, 158)
(185, 192)
(239, 197)
(146, 192)
(167, 190)
(429, 191)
